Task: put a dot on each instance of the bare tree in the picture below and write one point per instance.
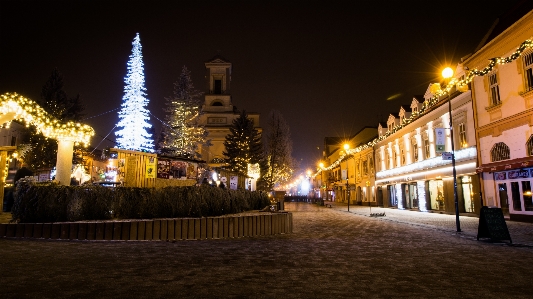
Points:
(278, 149)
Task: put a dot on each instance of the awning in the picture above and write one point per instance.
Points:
(506, 165)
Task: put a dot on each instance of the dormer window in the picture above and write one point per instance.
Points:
(415, 109)
(217, 103)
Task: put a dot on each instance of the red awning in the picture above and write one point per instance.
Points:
(506, 165)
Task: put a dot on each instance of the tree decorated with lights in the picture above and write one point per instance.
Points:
(182, 133)
(242, 145)
(133, 116)
(278, 150)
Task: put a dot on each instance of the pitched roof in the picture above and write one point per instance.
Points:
(217, 57)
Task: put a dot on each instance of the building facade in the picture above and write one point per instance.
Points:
(410, 171)
(502, 86)
(218, 111)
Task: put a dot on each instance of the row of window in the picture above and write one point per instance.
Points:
(426, 150)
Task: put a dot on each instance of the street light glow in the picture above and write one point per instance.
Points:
(447, 73)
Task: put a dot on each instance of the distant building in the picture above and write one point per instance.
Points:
(218, 110)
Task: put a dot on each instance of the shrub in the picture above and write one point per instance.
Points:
(49, 202)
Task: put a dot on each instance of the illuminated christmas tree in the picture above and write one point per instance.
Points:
(182, 133)
(243, 145)
(133, 117)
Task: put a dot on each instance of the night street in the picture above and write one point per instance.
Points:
(330, 254)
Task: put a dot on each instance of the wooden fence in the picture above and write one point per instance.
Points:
(224, 227)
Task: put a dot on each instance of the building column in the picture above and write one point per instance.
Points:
(65, 149)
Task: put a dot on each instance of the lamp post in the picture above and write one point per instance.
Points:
(346, 148)
(447, 73)
(321, 178)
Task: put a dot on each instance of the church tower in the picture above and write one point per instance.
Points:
(218, 111)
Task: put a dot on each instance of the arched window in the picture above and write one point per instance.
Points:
(217, 103)
(500, 151)
(529, 146)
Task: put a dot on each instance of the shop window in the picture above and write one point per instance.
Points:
(515, 193)
(494, 90)
(526, 191)
(462, 135)
(528, 71)
(500, 151)
(529, 146)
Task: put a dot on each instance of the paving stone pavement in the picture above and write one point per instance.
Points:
(521, 232)
(330, 254)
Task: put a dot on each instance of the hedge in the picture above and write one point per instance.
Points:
(49, 202)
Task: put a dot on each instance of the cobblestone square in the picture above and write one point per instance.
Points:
(332, 253)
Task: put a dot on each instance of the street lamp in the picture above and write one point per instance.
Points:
(322, 179)
(346, 148)
(447, 73)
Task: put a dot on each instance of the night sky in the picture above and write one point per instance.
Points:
(330, 67)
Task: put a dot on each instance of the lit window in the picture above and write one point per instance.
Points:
(462, 135)
(529, 145)
(426, 148)
(528, 71)
(494, 90)
(415, 150)
(500, 151)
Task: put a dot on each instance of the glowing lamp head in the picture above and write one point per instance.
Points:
(321, 165)
(447, 73)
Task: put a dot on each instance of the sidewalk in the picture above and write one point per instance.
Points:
(521, 232)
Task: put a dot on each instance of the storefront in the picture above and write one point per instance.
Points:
(428, 186)
(514, 192)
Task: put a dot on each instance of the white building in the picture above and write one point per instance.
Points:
(410, 173)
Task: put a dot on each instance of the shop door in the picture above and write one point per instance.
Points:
(468, 194)
(380, 197)
(504, 199)
(393, 202)
(413, 196)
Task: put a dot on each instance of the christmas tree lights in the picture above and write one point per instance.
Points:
(133, 114)
(182, 132)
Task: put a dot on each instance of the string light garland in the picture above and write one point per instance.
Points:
(31, 113)
(429, 103)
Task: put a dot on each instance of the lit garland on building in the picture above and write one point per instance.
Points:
(437, 93)
(31, 113)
